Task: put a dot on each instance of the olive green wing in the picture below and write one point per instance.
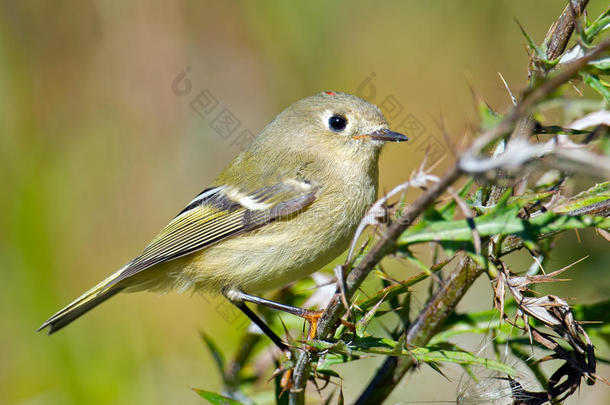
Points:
(219, 213)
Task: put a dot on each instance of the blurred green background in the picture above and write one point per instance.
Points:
(98, 151)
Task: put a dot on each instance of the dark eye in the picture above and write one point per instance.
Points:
(337, 123)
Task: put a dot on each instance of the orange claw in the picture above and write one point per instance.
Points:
(313, 317)
(285, 382)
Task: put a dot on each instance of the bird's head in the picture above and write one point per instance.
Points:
(336, 122)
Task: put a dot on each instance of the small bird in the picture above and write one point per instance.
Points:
(286, 206)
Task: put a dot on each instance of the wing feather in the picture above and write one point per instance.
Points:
(218, 213)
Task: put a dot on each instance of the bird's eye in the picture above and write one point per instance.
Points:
(337, 123)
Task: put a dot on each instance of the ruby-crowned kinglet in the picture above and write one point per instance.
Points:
(281, 210)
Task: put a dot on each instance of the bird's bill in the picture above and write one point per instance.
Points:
(385, 135)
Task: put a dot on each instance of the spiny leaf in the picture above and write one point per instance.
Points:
(431, 214)
(403, 287)
(329, 373)
(602, 23)
(530, 42)
(489, 118)
(597, 193)
(216, 399)
(431, 355)
(522, 200)
(363, 322)
(388, 347)
(437, 368)
(503, 220)
(492, 223)
(448, 210)
(478, 322)
(596, 84)
(331, 359)
(601, 64)
(215, 351)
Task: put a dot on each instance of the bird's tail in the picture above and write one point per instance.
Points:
(83, 304)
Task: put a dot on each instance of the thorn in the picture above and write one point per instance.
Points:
(466, 137)
(286, 331)
(530, 42)
(604, 234)
(435, 164)
(556, 272)
(510, 93)
(476, 238)
(341, 285)
(440, 123)
(539, 264)
(576, 89)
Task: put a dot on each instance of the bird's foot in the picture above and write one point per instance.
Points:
(313, 317)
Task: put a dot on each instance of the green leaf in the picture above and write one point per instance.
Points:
(601, 64)
(448, 210)
(330, 359)
(215, 351)
(526, 199)
(363, 322)
(216, 399)
(429, 354)
(550, 222)
(489, 118)
(597, 193)
(478, 323)
(596, 84)
(502, 220)
(328, 373)
(403, 287)
(602, 23)
(437, 368)
(530, 42)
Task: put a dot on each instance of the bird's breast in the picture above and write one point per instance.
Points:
(289, 248)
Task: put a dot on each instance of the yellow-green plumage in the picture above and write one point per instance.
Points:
(282, 209)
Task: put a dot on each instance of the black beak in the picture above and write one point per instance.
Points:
(387, 136)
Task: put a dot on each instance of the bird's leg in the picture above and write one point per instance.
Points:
(310, 316)
(239, 303)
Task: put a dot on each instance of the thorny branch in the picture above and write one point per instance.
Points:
(560, 32)
(471, 161)
(436, 310)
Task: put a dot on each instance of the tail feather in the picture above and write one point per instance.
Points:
(83, 304)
